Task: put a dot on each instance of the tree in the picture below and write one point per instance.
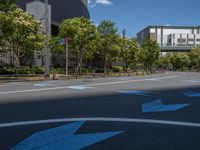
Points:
(195, 58)
(129, 51)
(80, 32)
(165, 61)
(180, 61)
(151, 53)
(92, 55)
(22, 35)
(108, 42)
(7, 5)
(57, 51)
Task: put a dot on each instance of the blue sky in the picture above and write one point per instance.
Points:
(134, 15)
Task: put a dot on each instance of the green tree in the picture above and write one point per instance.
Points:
(151, 53)
(164, 62)
(92, 55)
(22, 35)
(57, 51)
(195, 58)
(108, 48)
(180, 61)
(6, 5)
(129, 51)
(80, 32)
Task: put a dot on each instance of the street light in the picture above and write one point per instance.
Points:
(47, 53)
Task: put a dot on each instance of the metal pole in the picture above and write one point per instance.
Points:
(47, 55)
(66, 57)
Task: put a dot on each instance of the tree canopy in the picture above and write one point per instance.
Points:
(80, 32)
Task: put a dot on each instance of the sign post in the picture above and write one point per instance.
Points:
(64, 41)
(66, 44)
(47, 52)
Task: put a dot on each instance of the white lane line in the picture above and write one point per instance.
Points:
(137, 80)
(125, 120)
(14, 84)
(32, 90)
(192, 81)
(89, 85)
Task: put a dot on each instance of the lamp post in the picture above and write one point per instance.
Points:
(47, 53)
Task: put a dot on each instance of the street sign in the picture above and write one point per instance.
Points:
(63, 41)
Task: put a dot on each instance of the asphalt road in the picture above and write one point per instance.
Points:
(149, 112)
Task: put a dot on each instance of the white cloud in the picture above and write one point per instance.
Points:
(93, 3)
(104, 2)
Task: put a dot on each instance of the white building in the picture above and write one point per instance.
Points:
(172, 38)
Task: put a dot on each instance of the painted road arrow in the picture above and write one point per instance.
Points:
(192, 94)
(62, 138)
(133, 92)
(158, 106)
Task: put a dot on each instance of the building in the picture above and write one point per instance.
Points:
(172, 38)
(58, 11)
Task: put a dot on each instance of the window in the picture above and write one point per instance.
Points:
(190, 40)
(181, 40)
(198, 40)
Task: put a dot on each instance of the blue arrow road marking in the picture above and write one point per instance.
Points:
(57, 133)
(61, 138)
(192, 94)
(133, 92)
(158, 106)
(79, 141)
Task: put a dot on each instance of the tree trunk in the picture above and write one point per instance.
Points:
(105, 64)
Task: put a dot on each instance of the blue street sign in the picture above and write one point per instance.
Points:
(63, 41)
(62, 138)
(158, 106)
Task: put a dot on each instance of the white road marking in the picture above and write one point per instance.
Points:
(128, 81)
(125, 120)
(32, 90)
(79, 87)
(87, 85)
(15, 84)
(192, 81)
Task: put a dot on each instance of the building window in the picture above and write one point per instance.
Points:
(190, 40)
(181, 40)
(198, 40)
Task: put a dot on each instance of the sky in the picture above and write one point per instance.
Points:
(134, 15)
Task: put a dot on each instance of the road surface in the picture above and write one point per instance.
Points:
(149, 112)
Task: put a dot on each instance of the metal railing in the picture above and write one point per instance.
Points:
(176, 48)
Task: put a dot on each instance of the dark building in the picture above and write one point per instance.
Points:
(60, 10)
